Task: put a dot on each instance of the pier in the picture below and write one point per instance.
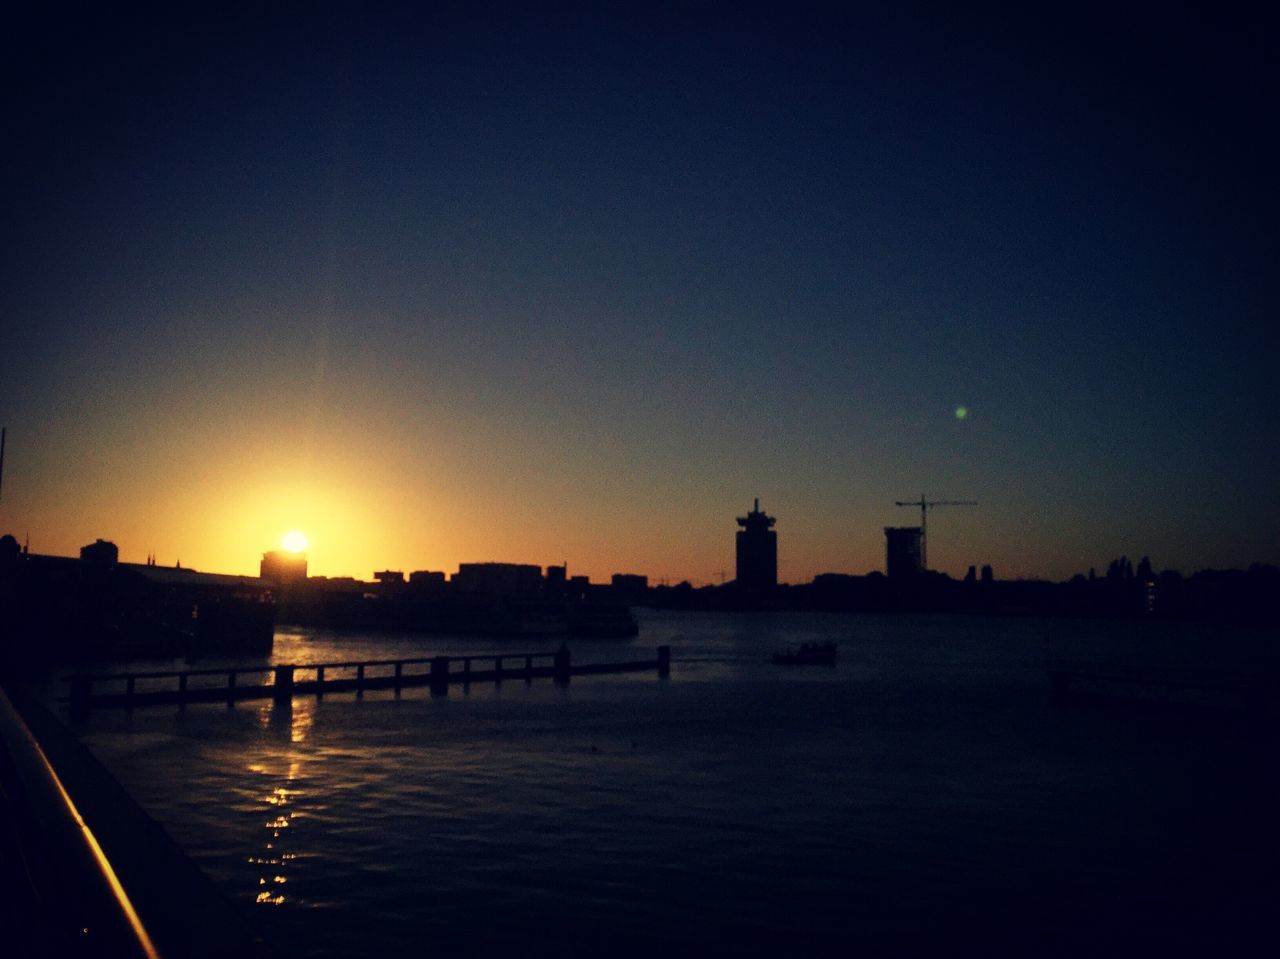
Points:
(283, 682)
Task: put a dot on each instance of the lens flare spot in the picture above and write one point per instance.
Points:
(962, 412)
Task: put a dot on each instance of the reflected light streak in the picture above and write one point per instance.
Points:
(122, 897)
(301, 722)
(299, 716)
(274, 862)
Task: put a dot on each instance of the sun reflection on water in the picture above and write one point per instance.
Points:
(275, 861)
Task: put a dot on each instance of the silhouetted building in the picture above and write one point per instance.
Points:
(100, 551)
(630, 587)
(9, 549)
(503, 579)
(757, 547)
(283, 567)
(426, 579)
(335, 584)
(554, 586)
(902, 551)
(389, 577)
(1120, 569)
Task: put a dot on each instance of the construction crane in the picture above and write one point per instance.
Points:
(926, 505)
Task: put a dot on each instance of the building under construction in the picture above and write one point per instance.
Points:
(902, 551)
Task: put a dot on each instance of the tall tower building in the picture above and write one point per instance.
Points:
(757, 550)
(902, 551)
(283, 567)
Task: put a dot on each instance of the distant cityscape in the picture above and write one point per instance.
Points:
(94, 601)
(905, 585)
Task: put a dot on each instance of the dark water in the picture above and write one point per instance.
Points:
(922, 795)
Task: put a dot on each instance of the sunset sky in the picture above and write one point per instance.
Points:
(560, 285)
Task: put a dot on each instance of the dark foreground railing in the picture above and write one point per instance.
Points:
(283, 682)
(84, 908)
(85, 871)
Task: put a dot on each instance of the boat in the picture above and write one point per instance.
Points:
(603, 621)
(807, 654)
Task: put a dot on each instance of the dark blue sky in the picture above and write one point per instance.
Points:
(564, 284)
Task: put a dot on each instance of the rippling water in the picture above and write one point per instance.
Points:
(922, 794)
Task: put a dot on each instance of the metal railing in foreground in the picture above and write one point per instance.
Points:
(84, 907)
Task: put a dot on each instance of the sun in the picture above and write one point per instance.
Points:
(294, 541)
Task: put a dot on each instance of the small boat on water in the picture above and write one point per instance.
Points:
(807, 654)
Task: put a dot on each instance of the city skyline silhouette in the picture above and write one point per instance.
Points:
(434, 286)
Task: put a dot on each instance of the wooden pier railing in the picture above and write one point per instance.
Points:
(283, 682)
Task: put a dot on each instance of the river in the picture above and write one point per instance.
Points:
(923, 794)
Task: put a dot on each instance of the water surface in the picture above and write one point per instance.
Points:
(922, 794)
